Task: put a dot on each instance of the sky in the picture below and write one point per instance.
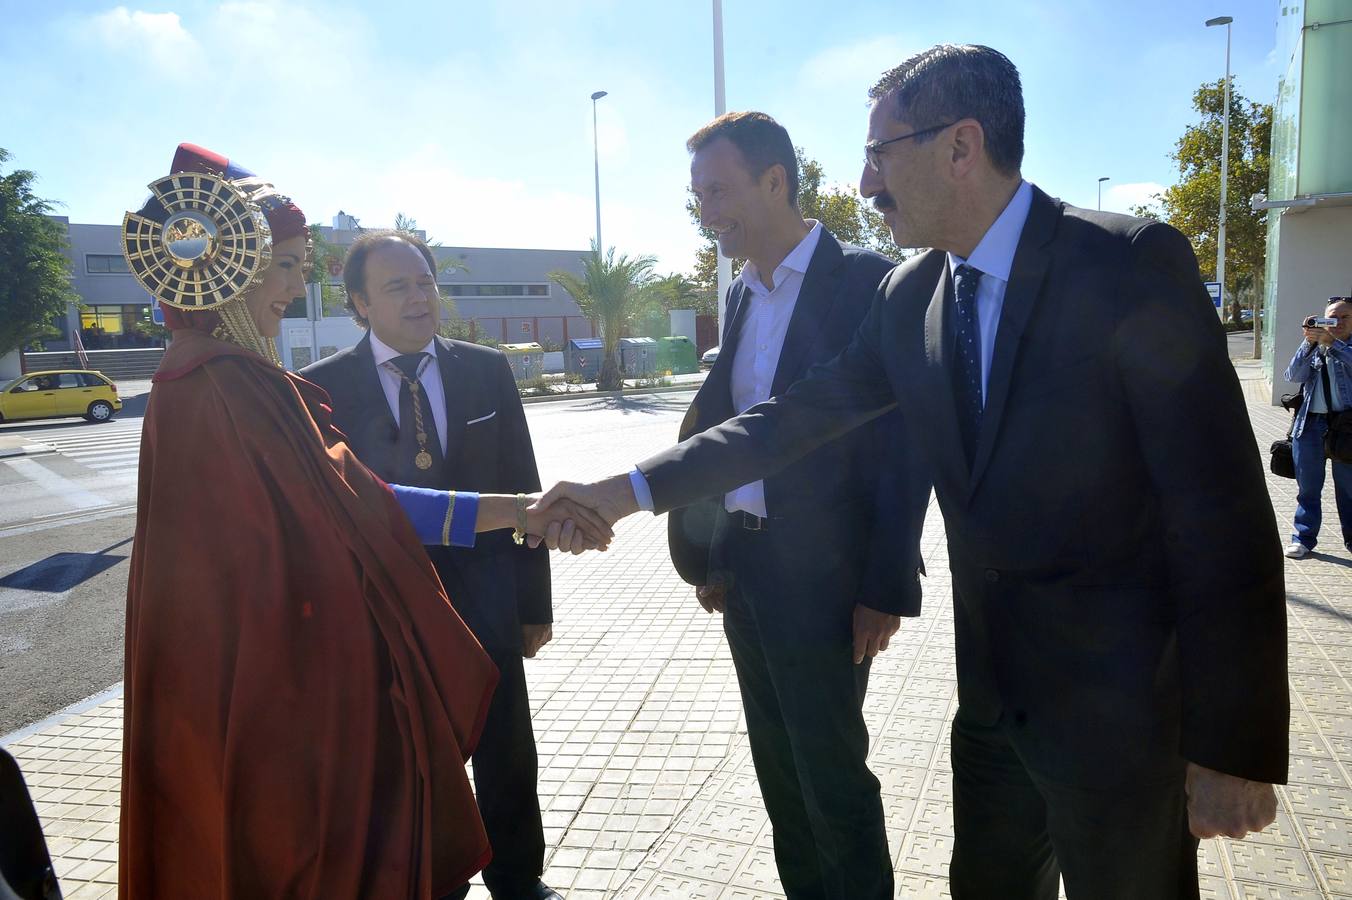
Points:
(476, 118)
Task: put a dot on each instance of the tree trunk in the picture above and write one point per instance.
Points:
(1258, 299)
(609, 377)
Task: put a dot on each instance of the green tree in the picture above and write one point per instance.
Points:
(842, 212)
(34, 269)
(607, 293)
(324, 253)
(1192, 205)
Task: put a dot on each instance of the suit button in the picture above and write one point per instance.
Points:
(992, 576)
(1020, 718)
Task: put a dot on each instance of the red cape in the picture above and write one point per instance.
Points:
(300, 695)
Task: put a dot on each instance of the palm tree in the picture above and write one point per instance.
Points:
(606, 292)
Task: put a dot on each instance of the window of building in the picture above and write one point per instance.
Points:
(497, 290)
(110, 327)
(105, 264)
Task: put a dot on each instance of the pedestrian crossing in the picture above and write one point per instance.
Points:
(113, 447)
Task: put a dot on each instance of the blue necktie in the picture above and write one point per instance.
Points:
(967, 362)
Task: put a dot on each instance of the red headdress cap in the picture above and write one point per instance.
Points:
(284, 217)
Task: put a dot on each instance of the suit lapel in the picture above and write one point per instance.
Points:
(816, 297)
(714, 400)
(940, 344)
(455, 387)
(368, 421)
(1026, 276)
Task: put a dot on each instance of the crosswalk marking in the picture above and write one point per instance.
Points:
(106, 449)
(57, 485)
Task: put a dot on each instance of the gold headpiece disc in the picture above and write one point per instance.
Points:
(213, 245)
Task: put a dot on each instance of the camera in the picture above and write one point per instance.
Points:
(1321, 322)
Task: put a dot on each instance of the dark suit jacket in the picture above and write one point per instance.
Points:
(1119, 590)
(855, 505)
(496, 586)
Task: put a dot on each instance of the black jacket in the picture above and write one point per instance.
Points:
(1117, 576)
(858, 503)
(496, 586)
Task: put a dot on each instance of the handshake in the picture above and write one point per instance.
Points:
(574, 517)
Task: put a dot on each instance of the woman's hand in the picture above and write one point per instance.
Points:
(567, 526)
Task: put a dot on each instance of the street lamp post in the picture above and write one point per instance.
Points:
(596, 159)
(1225, 161)
(1100, 187)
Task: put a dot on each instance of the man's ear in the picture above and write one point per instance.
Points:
(968, 145)
(360, 305)
(776, 179)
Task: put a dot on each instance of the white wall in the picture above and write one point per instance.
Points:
(296, 342)
(9, 366)
(1314, 263)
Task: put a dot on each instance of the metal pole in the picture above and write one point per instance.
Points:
(1225, 174)
(1100, 191)
(596, 160)
(720, 107)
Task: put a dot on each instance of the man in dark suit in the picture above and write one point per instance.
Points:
(422, 410)
(1120, 608)
(808, 598)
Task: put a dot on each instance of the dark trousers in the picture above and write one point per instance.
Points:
(790, 631)
(1017, 832)
(505, 784)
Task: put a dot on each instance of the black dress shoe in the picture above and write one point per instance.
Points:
(541, 891)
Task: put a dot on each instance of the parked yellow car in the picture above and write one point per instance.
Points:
(67, 392)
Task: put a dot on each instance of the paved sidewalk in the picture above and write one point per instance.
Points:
(646, 778)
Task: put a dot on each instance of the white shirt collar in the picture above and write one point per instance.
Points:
(798, 259)
(383, 353)
(994, 255)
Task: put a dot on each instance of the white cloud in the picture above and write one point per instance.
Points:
(853, 67)
(1124, 197)
(160, 37)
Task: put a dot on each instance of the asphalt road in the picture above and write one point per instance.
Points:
(67, 520)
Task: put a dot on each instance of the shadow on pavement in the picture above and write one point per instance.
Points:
(61, 572)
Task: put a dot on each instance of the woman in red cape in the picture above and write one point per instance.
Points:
(300, 695)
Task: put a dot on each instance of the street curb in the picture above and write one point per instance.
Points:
(27, 450)
(627, 392)
(77, 708)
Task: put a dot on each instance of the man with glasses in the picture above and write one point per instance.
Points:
(1118, 586)
(1322, 367)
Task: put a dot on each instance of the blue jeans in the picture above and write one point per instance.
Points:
(1308, 450)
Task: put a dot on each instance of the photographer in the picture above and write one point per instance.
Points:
(1322, 367)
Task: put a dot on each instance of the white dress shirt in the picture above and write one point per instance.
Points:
(994, 257)
(761, 340)
(429, 380)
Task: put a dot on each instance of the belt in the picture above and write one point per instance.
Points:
(745, 520)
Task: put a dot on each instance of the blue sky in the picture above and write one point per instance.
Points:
(475, 118)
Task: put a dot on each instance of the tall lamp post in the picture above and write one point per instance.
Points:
(596, 159)
(720, 107)
(1100, 187)
(1225, 161)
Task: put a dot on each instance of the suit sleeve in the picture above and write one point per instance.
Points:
(893, 564)
(1226, 573)
(517, 470)
(832, 399)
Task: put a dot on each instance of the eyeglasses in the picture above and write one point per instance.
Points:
(874, 158)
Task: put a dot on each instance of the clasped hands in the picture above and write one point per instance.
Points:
(575, 517)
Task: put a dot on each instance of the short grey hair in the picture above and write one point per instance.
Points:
(949, 82)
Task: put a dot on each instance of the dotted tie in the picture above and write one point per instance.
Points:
(967, 364)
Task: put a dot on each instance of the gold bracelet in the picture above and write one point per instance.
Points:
(446, 526)
(519, 533)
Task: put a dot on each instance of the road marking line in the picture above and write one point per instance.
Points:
(62, 487)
